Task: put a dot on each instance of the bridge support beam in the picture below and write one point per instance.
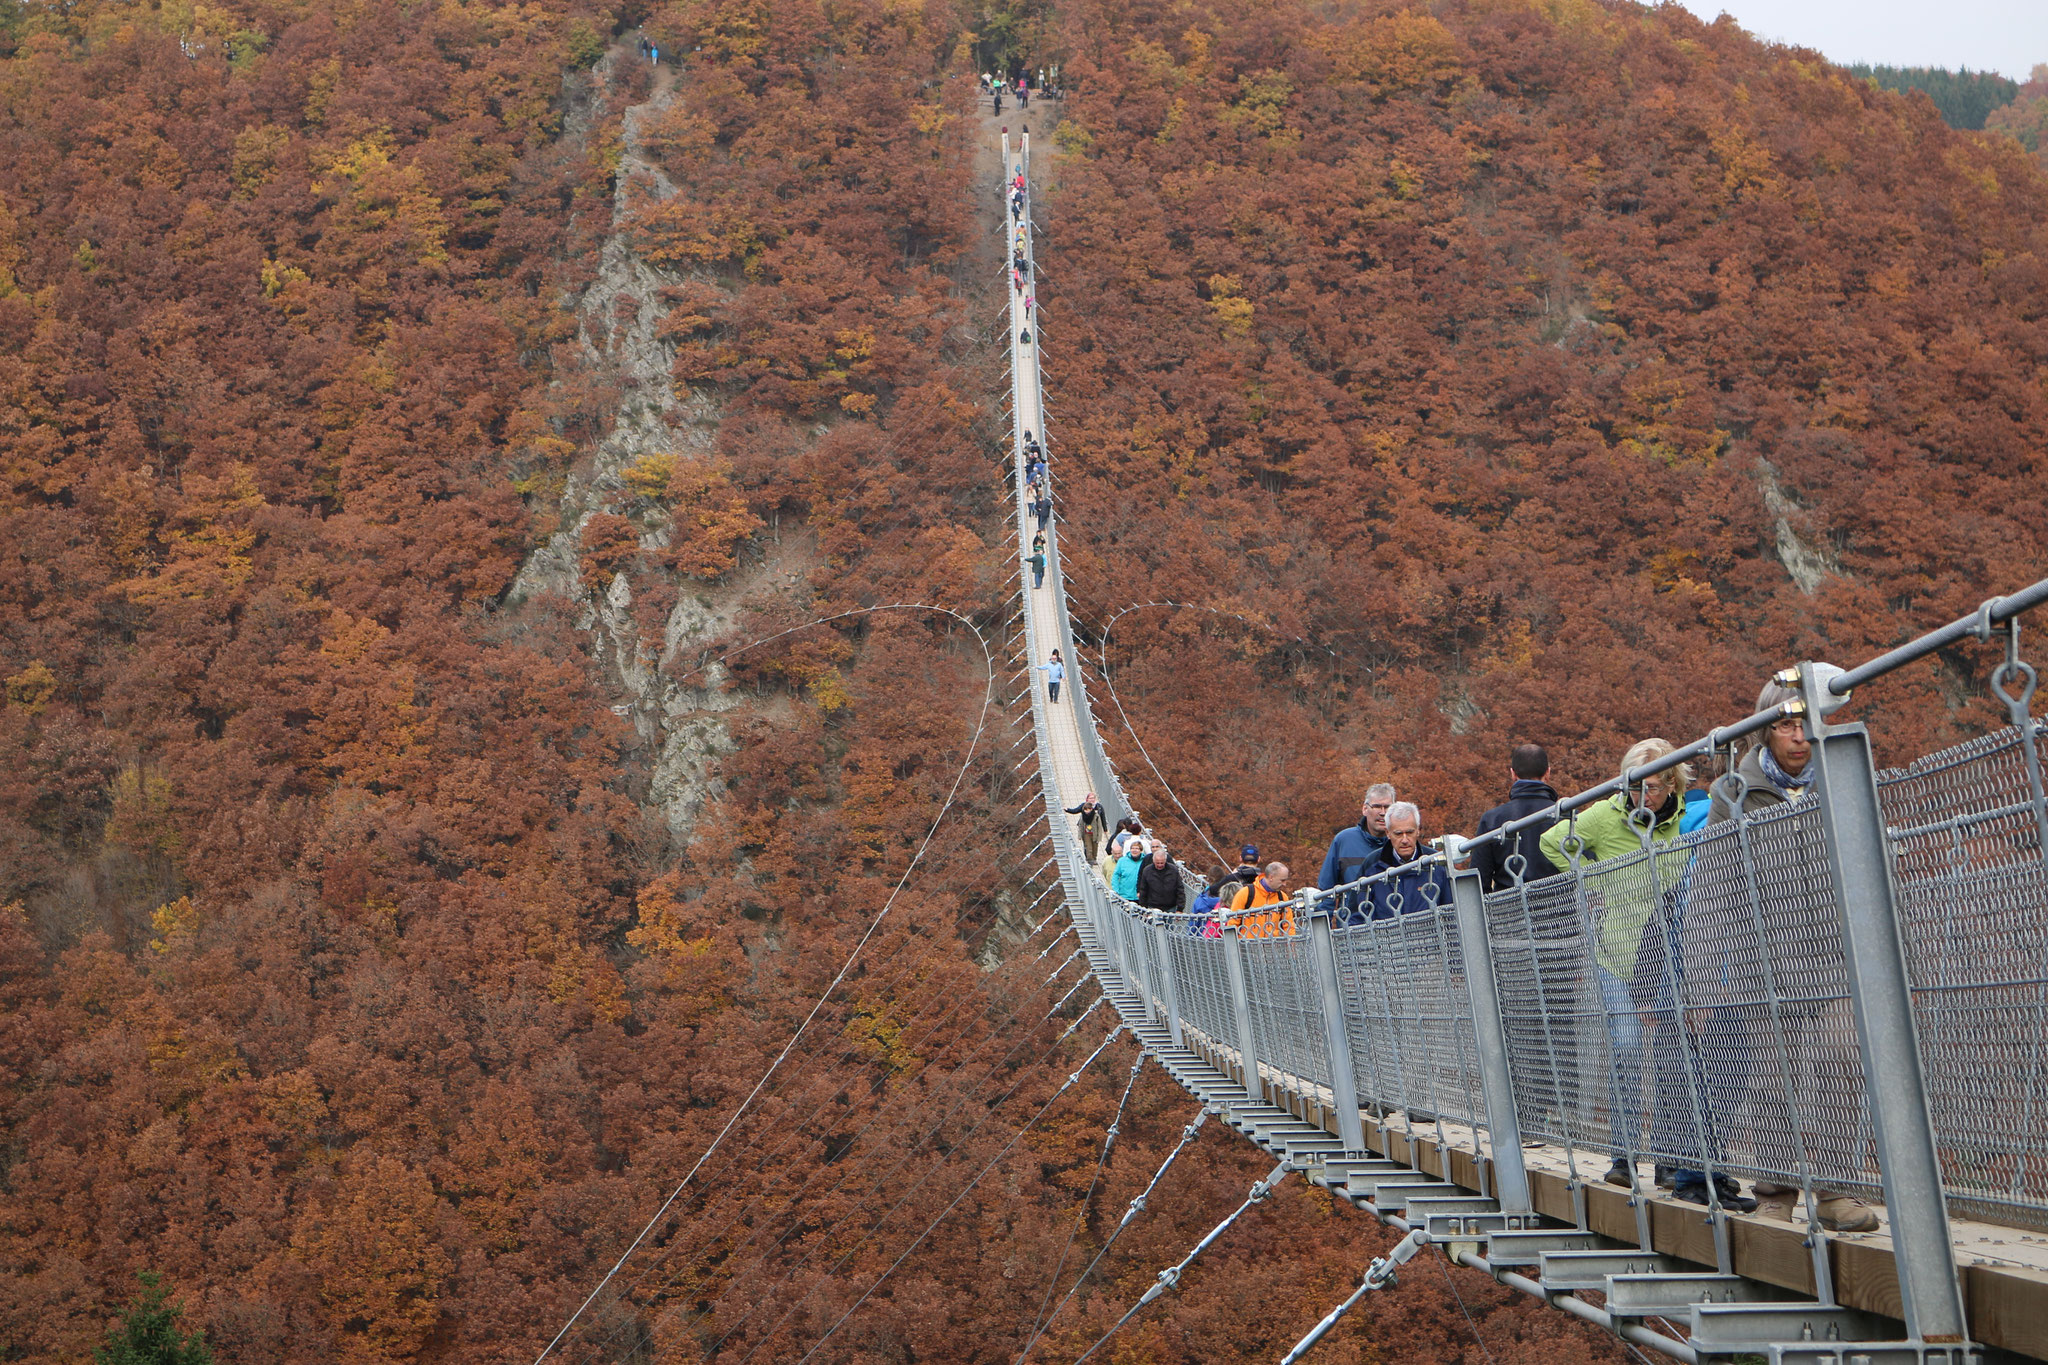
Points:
(1241, 1011)
(1343, 1080)
(1859, 857)
(1496, 1081)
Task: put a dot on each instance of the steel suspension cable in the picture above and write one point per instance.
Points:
(1261, 1190)
(707, 1246)
(909, 1152)
(1136, 1207)
(1052, 1282)
(974, 743)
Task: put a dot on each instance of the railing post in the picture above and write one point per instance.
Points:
(1343, 1080)
(1496, 1080)
(1169, 975)
(1859, 856)
(1241, 1011)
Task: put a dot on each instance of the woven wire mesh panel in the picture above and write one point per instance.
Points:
(1360, 981)
(1558, 1053)
(1428, 1015)
(1763, 1028)
(1197, 963)
(1287, 1021)
(1973, 898)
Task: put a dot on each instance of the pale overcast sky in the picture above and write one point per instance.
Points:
(2006, 36)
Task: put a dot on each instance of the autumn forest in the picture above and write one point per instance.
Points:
(505, 576)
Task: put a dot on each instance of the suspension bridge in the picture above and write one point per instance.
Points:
(1842, 995)
(1855, 1000)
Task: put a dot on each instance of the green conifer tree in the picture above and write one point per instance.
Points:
(149, 1333)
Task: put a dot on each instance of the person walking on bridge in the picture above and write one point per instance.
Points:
(1529, 791)
(1055, 671)
(1267, 889)
(1092, 826)
(1417, 883)
(1621, 901)
(1036, 559)
(1159, 883)
(1358, 850)
(1125, 882)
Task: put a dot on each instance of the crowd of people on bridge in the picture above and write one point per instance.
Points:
(1044, 82)
(1656, 952)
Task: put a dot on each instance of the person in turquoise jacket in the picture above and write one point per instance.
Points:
(1125, 883)
(1622, 899)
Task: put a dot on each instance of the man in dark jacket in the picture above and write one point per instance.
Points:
(1092, 825)
(1246, 871)
(1358, 850)
(1419, 885)
(1159, 882)
(1529, 767)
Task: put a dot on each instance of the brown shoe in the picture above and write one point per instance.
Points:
(1846, 1213)
(1778, 1204)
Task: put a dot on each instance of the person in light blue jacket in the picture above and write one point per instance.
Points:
(1125, 883)
(1055, 670)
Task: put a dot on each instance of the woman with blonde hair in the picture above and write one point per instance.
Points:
(1623, 899)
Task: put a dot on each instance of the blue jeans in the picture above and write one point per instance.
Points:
(1625, 1038)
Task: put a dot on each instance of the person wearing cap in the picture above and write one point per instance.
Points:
(1359, 850)
(1093, 824)
(1246, 870)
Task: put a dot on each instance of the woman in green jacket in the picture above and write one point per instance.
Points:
(1620, 900)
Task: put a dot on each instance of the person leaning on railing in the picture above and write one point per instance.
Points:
(1620, 902)
(1801, 940)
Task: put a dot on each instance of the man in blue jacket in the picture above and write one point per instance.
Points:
(1358, 850)
(1416, 885)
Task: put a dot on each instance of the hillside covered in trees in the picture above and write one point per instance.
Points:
(416, 414)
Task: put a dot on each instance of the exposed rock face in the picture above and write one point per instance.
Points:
(620, 316)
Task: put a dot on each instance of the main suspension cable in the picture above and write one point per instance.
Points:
(974, 743)
(1069, 1083)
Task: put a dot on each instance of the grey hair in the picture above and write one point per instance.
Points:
(1380, 791)
(1774, 695)
(1405, 810)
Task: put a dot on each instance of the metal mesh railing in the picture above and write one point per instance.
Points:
(1973, 900)
(1286, 1007)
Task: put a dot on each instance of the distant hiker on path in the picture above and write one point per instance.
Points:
(1055, 672)
(1093, 824)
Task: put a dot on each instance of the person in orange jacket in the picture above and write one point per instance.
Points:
(1269, 888)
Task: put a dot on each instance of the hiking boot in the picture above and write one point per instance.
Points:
(1838, 1212)
(1733, 1200)
(1664, 1177)
(1846, 1213)
(1622, 1173)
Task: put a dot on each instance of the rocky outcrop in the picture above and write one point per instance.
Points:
(674, 711)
